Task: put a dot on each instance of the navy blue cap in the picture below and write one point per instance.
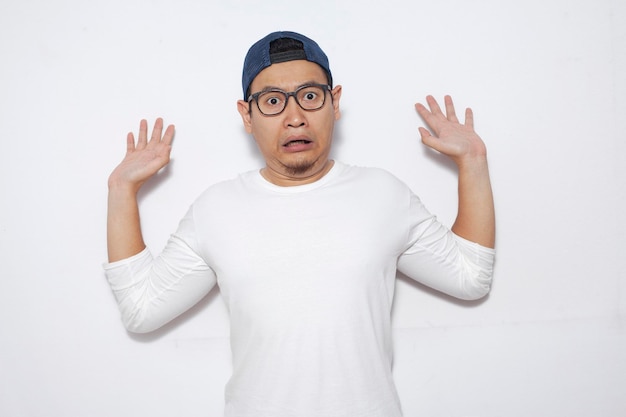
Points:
(258, 57)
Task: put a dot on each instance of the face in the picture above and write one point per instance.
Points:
(296, 143)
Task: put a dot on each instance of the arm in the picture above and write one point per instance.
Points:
(149, 291)
(142, 161)
(475, 219)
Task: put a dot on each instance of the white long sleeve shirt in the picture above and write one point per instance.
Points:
(308, 274)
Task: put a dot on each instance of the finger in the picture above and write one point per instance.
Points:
(434, 106)
(422, 111)
(429, 140)
(157, 130)
(168, 137)
(424, 132)
(130, 142)
(143, 133)
(469, 118)
(450, 112)
(426, 136)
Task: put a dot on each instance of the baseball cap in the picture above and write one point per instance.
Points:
(258, 57)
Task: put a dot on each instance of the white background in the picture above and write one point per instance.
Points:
(547, 83)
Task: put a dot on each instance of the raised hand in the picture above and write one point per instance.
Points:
(144, 158)
(458, 141)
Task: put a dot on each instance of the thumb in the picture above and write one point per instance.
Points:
(427, 138)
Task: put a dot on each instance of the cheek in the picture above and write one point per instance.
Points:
(257, 128)
(328, 126)
(263, 134)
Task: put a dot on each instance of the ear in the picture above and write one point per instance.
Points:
(336, 95)
(244, 110)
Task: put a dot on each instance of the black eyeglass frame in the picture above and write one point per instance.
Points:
(293, 94)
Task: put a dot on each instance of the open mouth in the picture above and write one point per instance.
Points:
(297, 142)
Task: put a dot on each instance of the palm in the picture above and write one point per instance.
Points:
(146, 157)
(452, 138)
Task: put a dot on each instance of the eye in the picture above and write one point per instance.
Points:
(309, 95)
(272, 99)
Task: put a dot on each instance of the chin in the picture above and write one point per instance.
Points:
(298, 169)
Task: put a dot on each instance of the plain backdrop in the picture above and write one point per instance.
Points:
(546, 80)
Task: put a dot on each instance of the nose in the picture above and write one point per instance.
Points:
(294, 114)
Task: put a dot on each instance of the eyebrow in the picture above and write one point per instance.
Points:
(274, 88)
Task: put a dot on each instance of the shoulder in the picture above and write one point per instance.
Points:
(373, 177)
(224, 190)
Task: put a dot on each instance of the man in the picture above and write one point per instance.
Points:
(305, 250)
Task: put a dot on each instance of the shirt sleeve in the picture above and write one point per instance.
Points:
(442, 260)
(150, 291)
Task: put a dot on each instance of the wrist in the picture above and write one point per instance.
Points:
(121, 188)
(472, 163)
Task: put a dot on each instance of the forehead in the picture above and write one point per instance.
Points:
(288, 75)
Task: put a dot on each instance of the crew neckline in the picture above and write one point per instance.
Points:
(333, 173)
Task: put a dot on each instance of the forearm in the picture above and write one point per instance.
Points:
(124, 237)
(476, 214)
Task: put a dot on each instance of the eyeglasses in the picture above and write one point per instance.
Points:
(310, 97)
